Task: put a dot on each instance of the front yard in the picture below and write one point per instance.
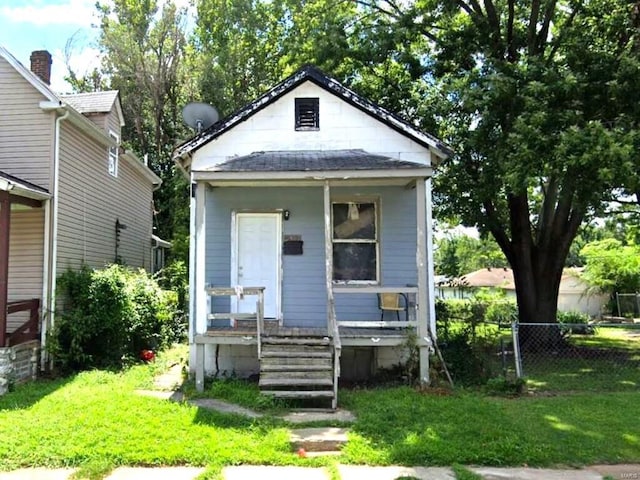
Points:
(95, 420)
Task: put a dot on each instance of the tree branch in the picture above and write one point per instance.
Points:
(533, 26)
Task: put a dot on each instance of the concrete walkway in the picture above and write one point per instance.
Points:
(346, 472)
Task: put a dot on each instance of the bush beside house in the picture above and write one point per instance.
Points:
(109, 316)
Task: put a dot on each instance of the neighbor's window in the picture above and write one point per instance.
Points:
(113, 155)
(307, 114)
(355, 242)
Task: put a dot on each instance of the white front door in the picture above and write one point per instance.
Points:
(257, 245)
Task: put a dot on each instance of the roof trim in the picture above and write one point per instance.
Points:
(22, 188)
(313, 74)
(140, 167)
(317, 175)
(28, 75)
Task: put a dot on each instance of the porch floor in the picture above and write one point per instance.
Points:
(245, 332)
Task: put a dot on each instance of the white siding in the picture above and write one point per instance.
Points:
(342, 126)
(25, 259)
(26, 132)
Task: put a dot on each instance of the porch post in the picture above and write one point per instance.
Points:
(424, 314)
(328, 255)
(199, 322)
(5, 222)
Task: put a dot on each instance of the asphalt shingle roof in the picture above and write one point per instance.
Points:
(92, 102)
(312, 160)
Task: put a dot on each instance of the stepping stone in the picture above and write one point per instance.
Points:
(224, 407)
(326, 439)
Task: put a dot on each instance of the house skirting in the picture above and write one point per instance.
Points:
(357, 363)
(18, 364)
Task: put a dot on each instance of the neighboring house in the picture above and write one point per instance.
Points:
(574, 295)
(467, 285)
(69, 194)
(321, 200)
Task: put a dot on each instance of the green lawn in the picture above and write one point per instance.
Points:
(95, 420)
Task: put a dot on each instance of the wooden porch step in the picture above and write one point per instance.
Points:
(301, 367)
(298, 382)
(309, 374)
(299, 393)
(296, 341)
(285, 354)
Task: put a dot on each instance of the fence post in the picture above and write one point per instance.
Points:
(516, 349)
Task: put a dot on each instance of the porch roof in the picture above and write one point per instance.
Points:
(312, 160)
(22, 188)
(312, 165)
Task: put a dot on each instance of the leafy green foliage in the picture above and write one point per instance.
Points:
(612, 266)
(108, 316)
(459, 255)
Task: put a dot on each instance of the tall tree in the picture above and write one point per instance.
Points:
(541, 116)
(144, 49)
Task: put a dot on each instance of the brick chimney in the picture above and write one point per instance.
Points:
(41, 65)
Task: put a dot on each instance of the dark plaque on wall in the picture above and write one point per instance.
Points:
(292, 245)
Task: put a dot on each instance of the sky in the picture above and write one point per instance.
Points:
(28, 25)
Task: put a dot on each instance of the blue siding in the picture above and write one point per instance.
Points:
(303, 276)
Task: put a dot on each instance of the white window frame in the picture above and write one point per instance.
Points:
(376, 241)
(112, 154)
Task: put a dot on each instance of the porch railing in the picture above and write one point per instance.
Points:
(410, 294)
(29, 330)
(239, 292)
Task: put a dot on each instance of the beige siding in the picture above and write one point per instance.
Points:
(113, 122)
(90, 202)
(26, 132)
(25, 259)
(100, 120)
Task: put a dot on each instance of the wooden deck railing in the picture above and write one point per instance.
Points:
(410, 294)
(258, 315)
(30, 330)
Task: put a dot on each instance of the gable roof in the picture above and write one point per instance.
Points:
(331, 85)
(487, 277)
(95, 102)
(28, 75)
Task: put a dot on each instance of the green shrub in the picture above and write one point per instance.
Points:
(575, 322)
(506, 386)
(108, 316)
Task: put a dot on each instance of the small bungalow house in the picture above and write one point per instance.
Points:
(310, 238)
(574, 295)
(69, 194)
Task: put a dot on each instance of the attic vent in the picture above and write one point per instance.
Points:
(307, 113)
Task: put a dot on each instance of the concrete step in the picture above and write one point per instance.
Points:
(324, 439)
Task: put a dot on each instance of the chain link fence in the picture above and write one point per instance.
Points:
(556, 357)
(628, 305)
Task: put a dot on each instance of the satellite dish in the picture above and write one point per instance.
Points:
(200, 115)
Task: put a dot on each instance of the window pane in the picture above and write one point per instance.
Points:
(354, 261)
(354, 221)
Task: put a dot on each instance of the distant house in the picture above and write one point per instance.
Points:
(574, 294)
(69, 193)
(310, 203)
